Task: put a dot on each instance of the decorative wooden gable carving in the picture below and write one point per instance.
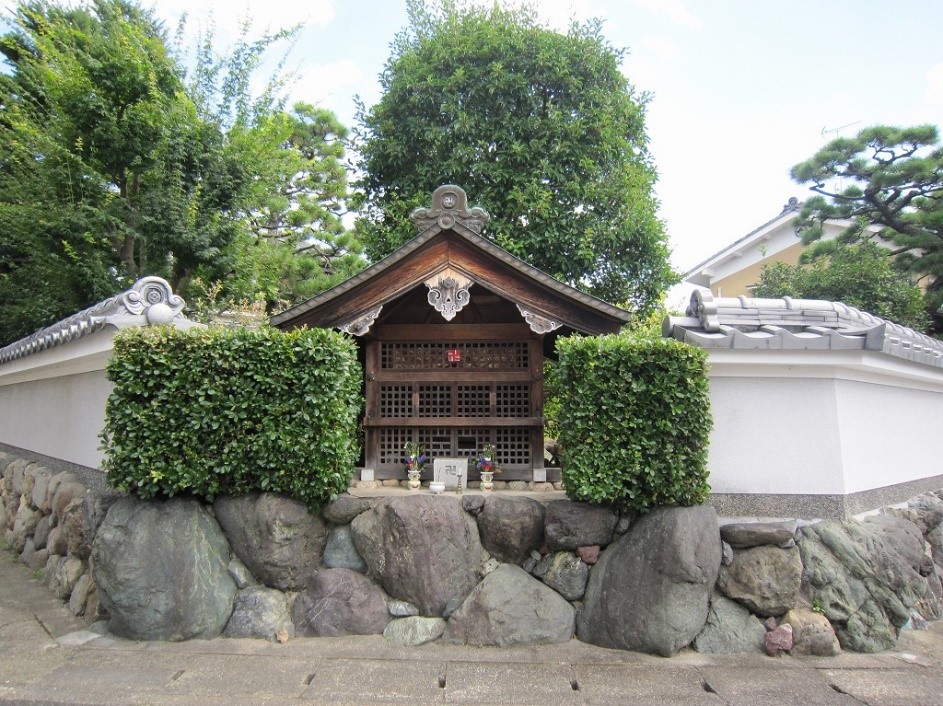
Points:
(453, 261)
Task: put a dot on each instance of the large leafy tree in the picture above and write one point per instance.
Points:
(859, 275)
(541, 128)
(888, 181)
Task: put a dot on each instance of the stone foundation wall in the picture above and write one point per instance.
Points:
(480, 569)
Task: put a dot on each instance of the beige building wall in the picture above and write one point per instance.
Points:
(739, 283)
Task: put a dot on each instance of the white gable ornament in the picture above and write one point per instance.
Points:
(448, 293)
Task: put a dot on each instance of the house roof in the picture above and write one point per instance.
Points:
(449, 239)
(757, 235)
(746, 323)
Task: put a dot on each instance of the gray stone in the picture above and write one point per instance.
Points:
(61, 581)
(344, 508)
(56, 542)
(414, 631)
(80, 594)
(260, 612)
(240, 574)
(402, 609)
(565, 573)
(929, 512)
(27, 518)
(765, 579)
(812, 634)
(510, 528)
(4, 516)
(28, 555)
(161, 570)
(492, 564)
(727, 557)
(95, 505)
(473, 504)
(72, 525)
(40, 557)
(742, 535)
(276, 537)
(340, 551)
(41, 533)
(650, 591)
(569, 525)
(865, 576)
(18, 468)
(510, 607)
(340, 602)
(623, 525)
(65, 494)
(55, 482)
(730, 628)
(423, 549)
(40, 498)
(931, 604)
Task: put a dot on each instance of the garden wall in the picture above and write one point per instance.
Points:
(476, 569)
(819, 410)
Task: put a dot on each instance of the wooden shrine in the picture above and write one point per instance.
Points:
(453, 331)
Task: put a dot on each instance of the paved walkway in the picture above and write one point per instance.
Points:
(46, 657)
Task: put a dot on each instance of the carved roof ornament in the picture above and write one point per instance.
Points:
(538, 324)
(149, 302)
(362, 324)
(448, 292)
(449, 206)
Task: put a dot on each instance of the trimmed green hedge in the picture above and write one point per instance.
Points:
(634, 418)
(219, 411)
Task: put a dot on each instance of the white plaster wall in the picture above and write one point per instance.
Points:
(774, 436)
(888, 434)
(59, 416)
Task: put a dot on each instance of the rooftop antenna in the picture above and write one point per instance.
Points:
(837, 130)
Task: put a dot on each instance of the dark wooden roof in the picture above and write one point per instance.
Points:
(448, 239)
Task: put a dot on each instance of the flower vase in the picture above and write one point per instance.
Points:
(414, 482)
(487, 481)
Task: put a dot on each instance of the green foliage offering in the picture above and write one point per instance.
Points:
(212, 411)
(634, 420)
(888, 181)
(860, 275)
(541, 129)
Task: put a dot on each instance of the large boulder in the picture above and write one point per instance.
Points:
(24, 525)
(928, 512)
(161, 571)
(275, 536)
(511, 528)
(340, 602)
(755, 534)
(262, 613)
(730, 628)
(766, 579)
(569, 525)
(423, 549)
(510, 607)
(650, 591)
(865, 576)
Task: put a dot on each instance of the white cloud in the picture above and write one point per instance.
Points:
(934, 94)
(673, 9)
(659, 47)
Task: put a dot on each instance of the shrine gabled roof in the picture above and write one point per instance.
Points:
(449, 239)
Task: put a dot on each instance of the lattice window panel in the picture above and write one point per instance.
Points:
(475, 355)
(481, 437)
(435, 401)
(512, 446)
(474, 401)
(436, 441)
(396, 401)
(512, 401)
(392, 441)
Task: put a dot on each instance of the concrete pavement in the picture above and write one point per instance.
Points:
(47, 657)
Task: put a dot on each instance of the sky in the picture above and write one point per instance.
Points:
(741, 90)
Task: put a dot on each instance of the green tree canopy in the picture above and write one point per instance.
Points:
(888, 181)
(858, 275)
(540, 128)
